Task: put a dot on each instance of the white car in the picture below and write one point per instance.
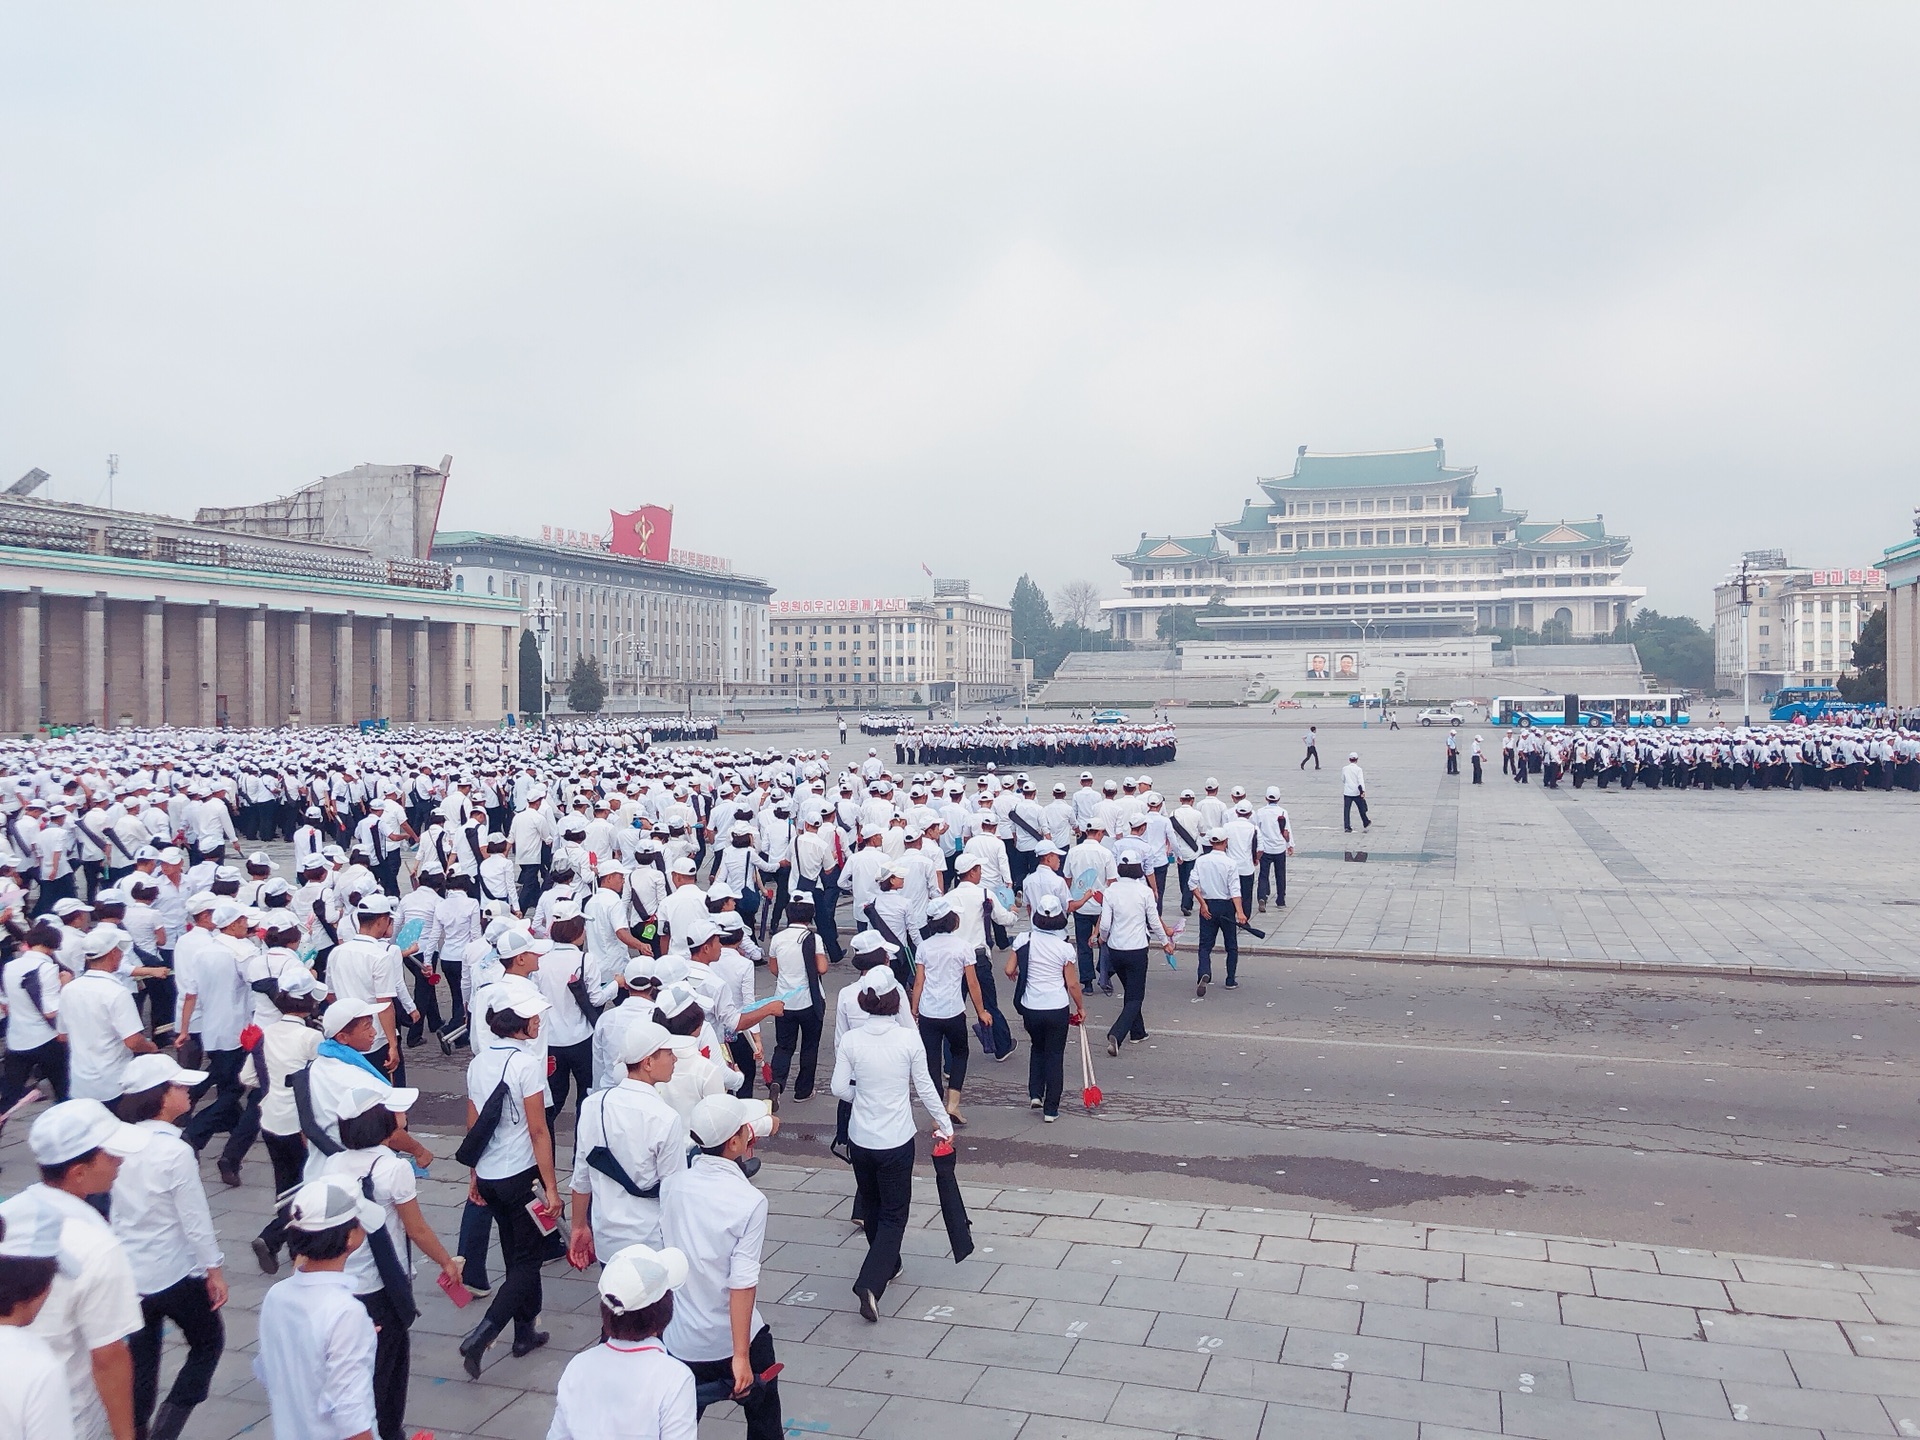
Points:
(1441, 716)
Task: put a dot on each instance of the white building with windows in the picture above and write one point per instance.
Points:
(659, 631)
(1801, 622)
(1349, 552)
(950, 647)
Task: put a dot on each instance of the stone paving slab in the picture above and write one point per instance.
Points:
(1125, 1321)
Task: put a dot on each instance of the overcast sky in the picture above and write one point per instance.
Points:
(993, 288)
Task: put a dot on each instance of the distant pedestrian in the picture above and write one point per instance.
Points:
(1312, 738)
(1353, 794)
(1476, 759)
(1453, 752)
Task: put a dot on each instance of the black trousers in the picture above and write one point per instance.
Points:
(1083, 923)
(1130, 968)
(1217, 922)
(1476, 769)
(762, 1408)
(1186, 890)
(575, 1060)
(289, 1156)
(522, 1246)
(1348, 803)
(801, 1028)
(185, 1303)
(741, 1049)
(235, 1109)
(1313, 754)
(1046, 1061)
(1274, 868)
(392, 1360)
(884, 1180)
(947, 1050)
(1453, 762)
(529, 888)
(49, 1059)
(995, 1018)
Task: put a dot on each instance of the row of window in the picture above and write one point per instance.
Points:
(1396, 504)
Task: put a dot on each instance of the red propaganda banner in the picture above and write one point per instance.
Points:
(646, 533)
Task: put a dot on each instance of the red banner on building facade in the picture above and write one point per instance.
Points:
(646, 533)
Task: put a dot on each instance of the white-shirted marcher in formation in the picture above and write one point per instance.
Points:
(1819, 756)
(586, 914)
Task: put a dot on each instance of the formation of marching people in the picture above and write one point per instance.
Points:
(583, 916)
(1774, 757)
(1039, 746)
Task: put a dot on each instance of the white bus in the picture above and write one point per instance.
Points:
(1659, 710)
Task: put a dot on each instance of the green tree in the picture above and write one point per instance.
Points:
(1673, 649)
(586, 689)
(1032, 618)
(1869, 685)
(532, 682)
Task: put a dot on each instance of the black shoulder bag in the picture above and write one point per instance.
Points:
(395, 1278)
(484, 1124)
(301, 1083)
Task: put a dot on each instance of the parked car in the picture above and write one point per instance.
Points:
(1109, 717)
(1441, 715)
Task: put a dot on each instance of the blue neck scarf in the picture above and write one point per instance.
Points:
(347, 1053)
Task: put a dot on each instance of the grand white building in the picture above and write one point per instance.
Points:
(1390, 549)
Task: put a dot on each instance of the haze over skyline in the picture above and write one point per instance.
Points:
(861, 288)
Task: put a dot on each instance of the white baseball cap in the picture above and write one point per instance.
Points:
(73, 1127)
(396, 1098)
(718, 1118)
(329, 1203)
(641, 1040)
(342, 1013)
(639, 1275)
(143, 1072)
(696, 930)
(880, 980)
(104, 940)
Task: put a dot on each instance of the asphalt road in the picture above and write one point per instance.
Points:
(1743, 1115)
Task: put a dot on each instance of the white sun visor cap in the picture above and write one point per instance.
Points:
(73, 1127)
(868, 941)
(718, 1118)
(639, 1275)
(330, 1203)
(880, 980)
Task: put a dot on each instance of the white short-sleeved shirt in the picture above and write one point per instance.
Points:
(944, 960)
(98, 1014)
(316, 1357)
(718, 1220)
(85, 1311)
(34, 1403)
(393, 1186)
(1049, 955)
(624, 1390)
(510, 1151)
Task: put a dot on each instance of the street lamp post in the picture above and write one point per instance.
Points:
(542, 612)
(1746, 676)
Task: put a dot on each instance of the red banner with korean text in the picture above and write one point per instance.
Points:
(645, 534)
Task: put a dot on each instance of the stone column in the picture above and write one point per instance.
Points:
(303, 665)
(93, 660)
(153, 663)
(343, 671)
(420, 702)
(383, 667)
(29, 692)
(208, 672)
(257, 666)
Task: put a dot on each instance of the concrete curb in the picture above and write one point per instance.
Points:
(1616, 967)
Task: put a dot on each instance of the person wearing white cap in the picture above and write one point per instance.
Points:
(1274, 842)
(1090, 869)
(510, 1151)
(1216, 889)
(982, 917)
(568, 1026)
(1047, 994)
(287, 1047)
(1129, 924)
(628, 1386)
(94, 1305)
(317, 1344)
(365, 966)
(684, 901)
(944, 979)
(881, 1070)
(380, 1279)
(1353, 794)
(629, 1140)
(161, 1217)
(215, 991)
(35, 1401)
(1243, 840)
(31, 984)
(797, 961)
(102, 1024)
(713, 1215)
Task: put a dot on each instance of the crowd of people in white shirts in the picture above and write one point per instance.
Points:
(536, 901)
